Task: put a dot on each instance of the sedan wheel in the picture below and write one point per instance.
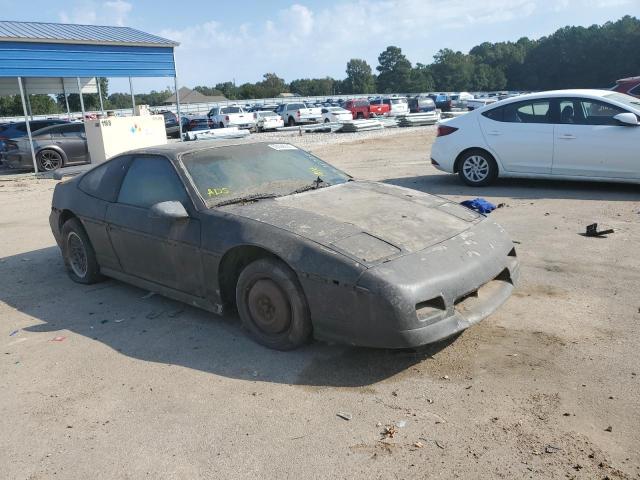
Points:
(49, 160)
(272, 305)
(477, 168)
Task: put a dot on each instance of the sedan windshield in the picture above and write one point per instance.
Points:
(221, 174)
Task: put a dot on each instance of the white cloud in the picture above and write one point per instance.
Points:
(114, 12)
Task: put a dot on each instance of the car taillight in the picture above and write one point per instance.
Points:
(255, 116)
(298, 113)
(227, 118)
(444, 130)
(209, 123)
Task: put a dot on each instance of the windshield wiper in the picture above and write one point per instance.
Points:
(246, 199)
(317, 183)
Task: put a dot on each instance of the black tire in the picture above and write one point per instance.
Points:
(360, 116)
(477, 168)
(75, 245)
(291, 122)
(49, 160)
(272, 305)
(221, 125)
(326, 120)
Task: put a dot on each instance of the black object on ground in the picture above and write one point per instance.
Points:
(592, 231)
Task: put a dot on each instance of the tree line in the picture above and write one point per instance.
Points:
(571, 57)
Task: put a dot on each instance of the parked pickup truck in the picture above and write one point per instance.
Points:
(362, 108)
(379, 107)
(224, 117)
(295, 113)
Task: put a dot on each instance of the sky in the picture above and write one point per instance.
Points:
(241, 40)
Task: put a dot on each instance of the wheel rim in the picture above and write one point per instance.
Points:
(50, 160)
(269, 307)
(476, 168)
(77, 254)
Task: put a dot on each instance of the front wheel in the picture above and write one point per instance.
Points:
(272, 305)
(78, 254)
(326, 120)
(477, 168)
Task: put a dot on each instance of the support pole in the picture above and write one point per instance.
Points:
(175, 86)
(26, 96)
(66, 100)
(80, 94)
(100, 95)
(26, 119)
(133, 98)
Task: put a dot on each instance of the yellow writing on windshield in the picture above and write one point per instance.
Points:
(316, 171)
(214, 192)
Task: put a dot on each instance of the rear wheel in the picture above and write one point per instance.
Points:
(291, 122)
(221, 125)
(48, 160)
(272, 305)
(78, 254)
(360, 116)
(326, 120)
(477, 168)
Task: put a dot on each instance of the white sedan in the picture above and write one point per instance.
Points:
(336, 114)
(564, 134)
(267, 120)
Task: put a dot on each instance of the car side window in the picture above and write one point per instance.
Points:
(104, 181)
(151, 179)
(494, 114)
(536, 111)
(599, 113)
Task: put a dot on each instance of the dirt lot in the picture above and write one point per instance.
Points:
(138, 387)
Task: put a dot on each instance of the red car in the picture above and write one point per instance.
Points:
(630, 86)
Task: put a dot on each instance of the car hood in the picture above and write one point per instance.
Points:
(367, 221)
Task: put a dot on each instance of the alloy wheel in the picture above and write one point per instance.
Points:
(77, 255)
(50, 160)
(476, 168)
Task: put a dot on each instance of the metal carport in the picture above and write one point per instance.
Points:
(63, 51)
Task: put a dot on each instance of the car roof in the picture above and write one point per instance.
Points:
(176, 150)
(576, 92)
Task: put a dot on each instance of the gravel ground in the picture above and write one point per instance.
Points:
(103, 381)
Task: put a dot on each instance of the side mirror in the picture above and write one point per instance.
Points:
(627, 118)
(171, 210)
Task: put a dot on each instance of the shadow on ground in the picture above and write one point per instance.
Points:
(157, 329)
(525, 189)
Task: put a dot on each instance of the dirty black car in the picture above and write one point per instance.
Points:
(300, 248)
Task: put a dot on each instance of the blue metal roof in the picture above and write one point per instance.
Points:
(78, 34)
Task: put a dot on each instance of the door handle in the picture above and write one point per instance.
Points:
(494, 132)
(567, 136)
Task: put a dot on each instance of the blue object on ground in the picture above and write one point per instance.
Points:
(480, 205)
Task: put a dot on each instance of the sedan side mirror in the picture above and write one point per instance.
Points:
(627, 118)
(171, 210)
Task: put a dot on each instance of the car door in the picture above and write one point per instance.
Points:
(72, 139)
(590, 142)
(160, 250)
(521, 135)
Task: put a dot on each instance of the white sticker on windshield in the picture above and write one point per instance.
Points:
(282, 146)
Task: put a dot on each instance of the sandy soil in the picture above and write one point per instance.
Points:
(103, 382)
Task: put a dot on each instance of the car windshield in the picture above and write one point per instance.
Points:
(224, 173)
(268, 114)
(628, 100)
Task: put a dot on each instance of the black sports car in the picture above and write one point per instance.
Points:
(297, 246)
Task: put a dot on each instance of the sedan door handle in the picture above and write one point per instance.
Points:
(494, 132)
(567, 137)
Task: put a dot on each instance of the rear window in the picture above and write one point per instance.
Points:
(103, 182)
(230, 110)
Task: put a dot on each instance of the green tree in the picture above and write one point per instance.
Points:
(394, 71)
(421, 79)
(359, 77)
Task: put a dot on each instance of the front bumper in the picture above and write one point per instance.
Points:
(426, 296)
